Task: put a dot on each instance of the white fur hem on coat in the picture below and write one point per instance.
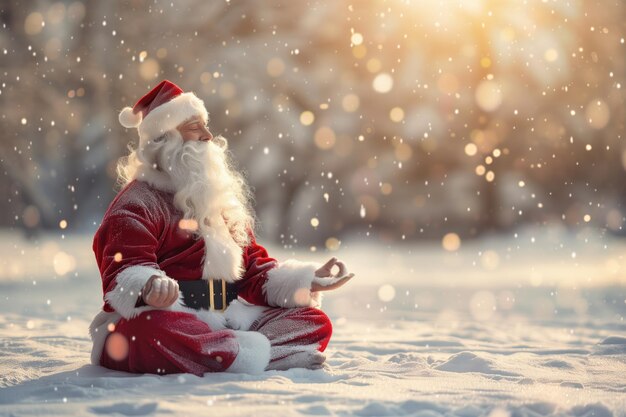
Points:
(98, 330)
(289, 285)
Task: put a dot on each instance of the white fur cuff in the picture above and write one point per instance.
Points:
(127, 291)
(254, 353)
(289, 285)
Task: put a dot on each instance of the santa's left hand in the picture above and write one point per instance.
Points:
(325, 280)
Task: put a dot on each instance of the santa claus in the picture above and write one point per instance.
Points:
(186, 286)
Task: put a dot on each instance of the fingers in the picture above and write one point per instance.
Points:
(149, 295)
(173, 293)
(327, 284)
(170, 294)
(342, 269)
(326, 281)
(168, 289)
(330, 263)
(155, 292)
(342, 280)
(160, 290)
(325, 270)
(148, 287)
(163, 292)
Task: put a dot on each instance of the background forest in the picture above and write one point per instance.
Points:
(387, 119)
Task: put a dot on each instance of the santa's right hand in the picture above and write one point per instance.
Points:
(160, 291)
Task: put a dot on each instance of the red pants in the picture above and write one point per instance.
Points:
(167, 342)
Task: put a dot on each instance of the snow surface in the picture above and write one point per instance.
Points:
(527, 325)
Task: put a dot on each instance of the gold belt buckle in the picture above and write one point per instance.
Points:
(212, 295)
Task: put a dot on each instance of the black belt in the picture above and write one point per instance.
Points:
(214, 294)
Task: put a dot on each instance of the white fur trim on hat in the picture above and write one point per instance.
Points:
(128, 118)
(169, 115)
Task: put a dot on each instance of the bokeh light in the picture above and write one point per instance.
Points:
(386, 293)
(488, 95)
(350, 102)
(117, 346)
(63, 263)
(307, 118)
(34, 23)
(325, 138)
(332, 243)
(451, 242)
(383, 83)
(275, 67)
(190, 225)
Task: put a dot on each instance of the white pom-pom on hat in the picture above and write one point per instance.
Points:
(129, 119)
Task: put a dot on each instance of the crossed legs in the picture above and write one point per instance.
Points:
(166, 342)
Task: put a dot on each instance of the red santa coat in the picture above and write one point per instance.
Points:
(141, 236)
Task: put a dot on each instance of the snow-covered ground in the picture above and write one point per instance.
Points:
(524, 325)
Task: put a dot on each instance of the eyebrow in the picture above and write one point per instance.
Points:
(193, 123)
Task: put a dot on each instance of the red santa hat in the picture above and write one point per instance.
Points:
(161, 110)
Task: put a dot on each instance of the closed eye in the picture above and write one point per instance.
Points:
(198, 126)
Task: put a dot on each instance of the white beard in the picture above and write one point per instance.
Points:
(214, 199)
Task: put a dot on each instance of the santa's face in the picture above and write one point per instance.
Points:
(195, 129)
(208, 188)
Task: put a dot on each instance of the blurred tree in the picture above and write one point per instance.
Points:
(402, 118)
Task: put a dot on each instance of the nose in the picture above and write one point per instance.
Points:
(206, 134)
